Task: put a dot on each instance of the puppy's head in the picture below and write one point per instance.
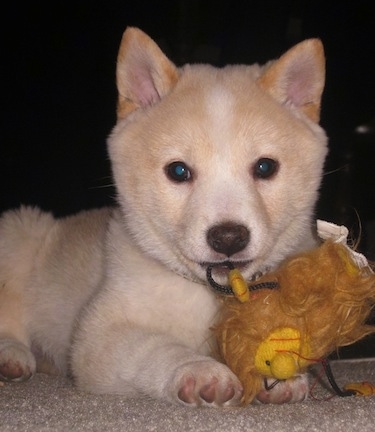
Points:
(216, 164)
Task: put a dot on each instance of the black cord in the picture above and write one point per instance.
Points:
(223, 289)
(227, 290)
(330, 377)
(332, 381)
(271, 386)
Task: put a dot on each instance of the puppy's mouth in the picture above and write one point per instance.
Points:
(235, 283)
(221, 268)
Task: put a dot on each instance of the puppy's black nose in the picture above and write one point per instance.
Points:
(228, 238)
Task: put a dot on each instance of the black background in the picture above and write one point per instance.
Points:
(59, 96)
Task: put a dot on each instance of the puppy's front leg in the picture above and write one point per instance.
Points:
(131, 361)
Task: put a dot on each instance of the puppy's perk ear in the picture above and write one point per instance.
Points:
(144, 73)
(297, 77)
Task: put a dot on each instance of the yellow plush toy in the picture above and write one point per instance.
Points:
(322, 301)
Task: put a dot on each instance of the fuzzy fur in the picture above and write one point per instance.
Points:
(322, 294)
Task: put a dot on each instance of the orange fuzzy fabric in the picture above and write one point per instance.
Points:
(322, 294)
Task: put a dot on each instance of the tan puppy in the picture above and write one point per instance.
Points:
(210, 164)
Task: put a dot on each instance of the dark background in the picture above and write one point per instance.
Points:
(59, 96)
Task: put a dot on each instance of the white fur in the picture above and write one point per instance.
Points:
(118, 297)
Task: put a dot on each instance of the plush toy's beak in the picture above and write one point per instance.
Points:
(283, 366)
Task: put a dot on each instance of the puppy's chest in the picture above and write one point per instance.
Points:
(187, 312)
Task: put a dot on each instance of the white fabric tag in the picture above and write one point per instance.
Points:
(339, 234)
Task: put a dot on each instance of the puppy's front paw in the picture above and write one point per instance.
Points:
(290, 391)
(17, 363)
(206, 383)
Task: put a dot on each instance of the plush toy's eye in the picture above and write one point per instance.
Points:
(265, 168)
(178, 171)
(268, 363)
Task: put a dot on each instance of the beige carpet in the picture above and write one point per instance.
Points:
(48, 403)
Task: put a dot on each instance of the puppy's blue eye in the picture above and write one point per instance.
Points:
(178, 171)
(265, 168)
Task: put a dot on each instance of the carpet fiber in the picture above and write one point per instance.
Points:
(47, 403)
